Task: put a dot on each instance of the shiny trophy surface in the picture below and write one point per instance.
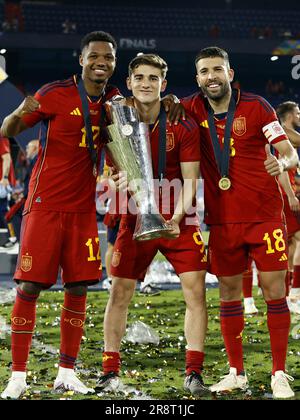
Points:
(129, 149)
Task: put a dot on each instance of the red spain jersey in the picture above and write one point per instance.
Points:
(182, 145)
(254, 195)
(62, 179)
(4, 149)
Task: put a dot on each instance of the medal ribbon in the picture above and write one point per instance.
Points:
(222, 156)
(88, 124)
(162, 154)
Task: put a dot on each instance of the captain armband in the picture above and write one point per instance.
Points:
(273, 130)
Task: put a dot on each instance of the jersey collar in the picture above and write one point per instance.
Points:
(77, 77)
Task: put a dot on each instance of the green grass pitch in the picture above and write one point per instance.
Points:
(156, 371)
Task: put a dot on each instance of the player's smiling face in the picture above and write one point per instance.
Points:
(146, 83)
(214, 77)
(98, 61)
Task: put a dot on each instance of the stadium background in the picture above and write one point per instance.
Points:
(40, 40)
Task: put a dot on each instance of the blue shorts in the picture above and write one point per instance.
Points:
(112, 233)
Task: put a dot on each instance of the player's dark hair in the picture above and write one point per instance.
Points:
(285, 108)
(97, 36)
(211, 52)
(148, 60)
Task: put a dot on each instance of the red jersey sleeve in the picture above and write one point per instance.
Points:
(187, 103)
(48, 105)
(112, 92)
(189, 136)
(192, 104)
(271, 127)
(4, 145)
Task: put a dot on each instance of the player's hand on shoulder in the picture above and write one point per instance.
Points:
(29, 105)
(174, 109)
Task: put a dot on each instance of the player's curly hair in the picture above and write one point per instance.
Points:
(97, 36)
(148, 60)
(211, 52)
(285, 108)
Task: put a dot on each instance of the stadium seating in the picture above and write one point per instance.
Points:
(1, 14)
(161, 22)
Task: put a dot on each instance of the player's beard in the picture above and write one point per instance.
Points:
(296, 125)
(224, 91)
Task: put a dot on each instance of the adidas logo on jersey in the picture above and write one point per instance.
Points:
(76, 111)
(283, 257)
(204, 124)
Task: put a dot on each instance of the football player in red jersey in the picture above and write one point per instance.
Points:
(243, 207)
(289, 116)
(59, 226)
(7, 179)
(183, 245)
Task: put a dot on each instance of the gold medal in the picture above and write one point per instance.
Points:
(224, 183)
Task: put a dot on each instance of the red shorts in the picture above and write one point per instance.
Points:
(231, 245)
(292, 219)
(131, 258)
(50, 240)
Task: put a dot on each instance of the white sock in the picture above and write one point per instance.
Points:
(64, 371)
(249, 300)
(18, 375)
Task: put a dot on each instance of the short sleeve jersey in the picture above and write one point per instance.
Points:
(4, 149)
(254, 195)
(182, 145)
(62, 179)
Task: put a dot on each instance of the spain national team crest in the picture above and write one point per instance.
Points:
(26, 263)
(106, 357)
(170, 142)
(75, 322)
(116, 259)
(239, 126)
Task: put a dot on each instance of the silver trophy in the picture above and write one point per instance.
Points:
(129, 148)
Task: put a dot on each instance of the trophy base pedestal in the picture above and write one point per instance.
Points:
(149, 226)
(147, 236)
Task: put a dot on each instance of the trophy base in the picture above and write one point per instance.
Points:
(147, 236)
(149, 226)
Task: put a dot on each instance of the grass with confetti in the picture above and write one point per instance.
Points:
(148, 370)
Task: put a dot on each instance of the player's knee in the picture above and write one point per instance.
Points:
(30, 288)
(273, 292)
(195, 296)
(76, 290)
(230, 293)
(120, 295)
